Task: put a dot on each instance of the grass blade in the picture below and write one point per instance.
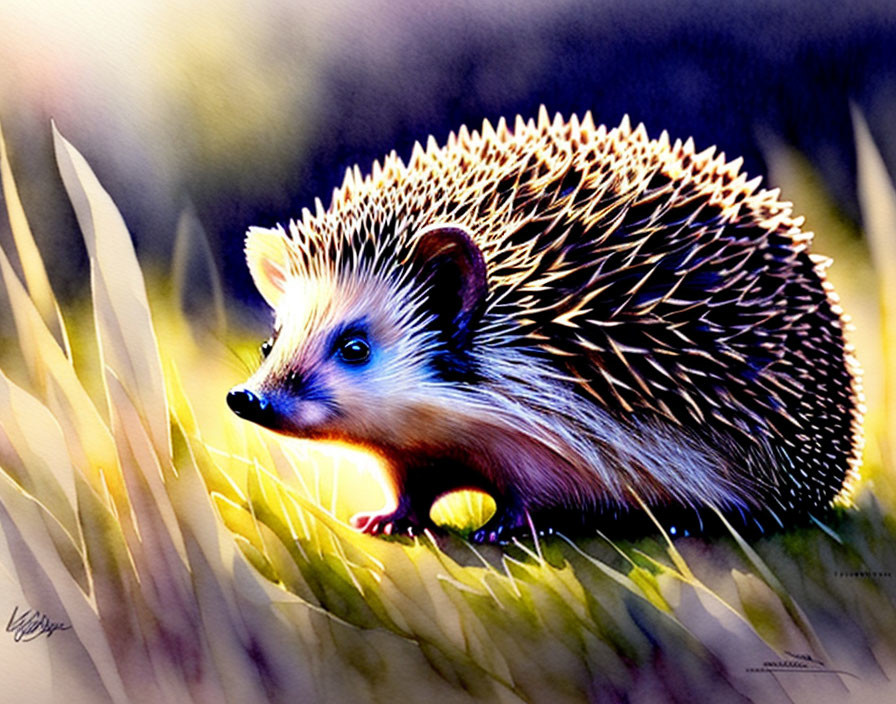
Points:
(124, 328)
(32, 264)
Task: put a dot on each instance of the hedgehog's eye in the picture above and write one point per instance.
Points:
(268, 344)
(354, 350)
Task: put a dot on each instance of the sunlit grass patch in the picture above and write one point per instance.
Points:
(197, 557)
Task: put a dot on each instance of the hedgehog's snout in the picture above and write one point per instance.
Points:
(251, 406)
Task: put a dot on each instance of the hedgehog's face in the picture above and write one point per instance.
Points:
(350, 357)
(337, 365)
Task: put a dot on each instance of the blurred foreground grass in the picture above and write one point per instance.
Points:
(198, 558)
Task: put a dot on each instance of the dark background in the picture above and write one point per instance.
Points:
(246, 113)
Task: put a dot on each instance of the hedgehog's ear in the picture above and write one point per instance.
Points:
(267, 254)
(456, 276)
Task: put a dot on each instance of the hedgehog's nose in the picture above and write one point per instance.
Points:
(249, 406)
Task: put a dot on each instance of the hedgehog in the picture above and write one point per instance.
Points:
(578, 321)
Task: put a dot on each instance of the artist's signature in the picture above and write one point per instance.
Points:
(29, 625)
(798, 662)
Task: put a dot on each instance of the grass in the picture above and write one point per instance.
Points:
(198, 558)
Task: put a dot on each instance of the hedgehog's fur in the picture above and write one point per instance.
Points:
(648, 327)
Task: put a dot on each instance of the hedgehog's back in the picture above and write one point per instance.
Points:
(659, 282)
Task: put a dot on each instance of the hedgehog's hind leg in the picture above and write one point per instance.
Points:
(511, 520)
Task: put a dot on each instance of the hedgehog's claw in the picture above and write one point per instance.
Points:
(398, 522)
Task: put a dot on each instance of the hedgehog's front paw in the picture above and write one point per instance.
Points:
(395, 523)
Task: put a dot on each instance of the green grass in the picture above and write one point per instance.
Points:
(199, 558)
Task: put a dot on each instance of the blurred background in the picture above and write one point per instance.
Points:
(241, 113)
(202, 118)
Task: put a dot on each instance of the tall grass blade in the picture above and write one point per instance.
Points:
(877, 198)
(124, 328)
(32, 264)
(193, 264)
